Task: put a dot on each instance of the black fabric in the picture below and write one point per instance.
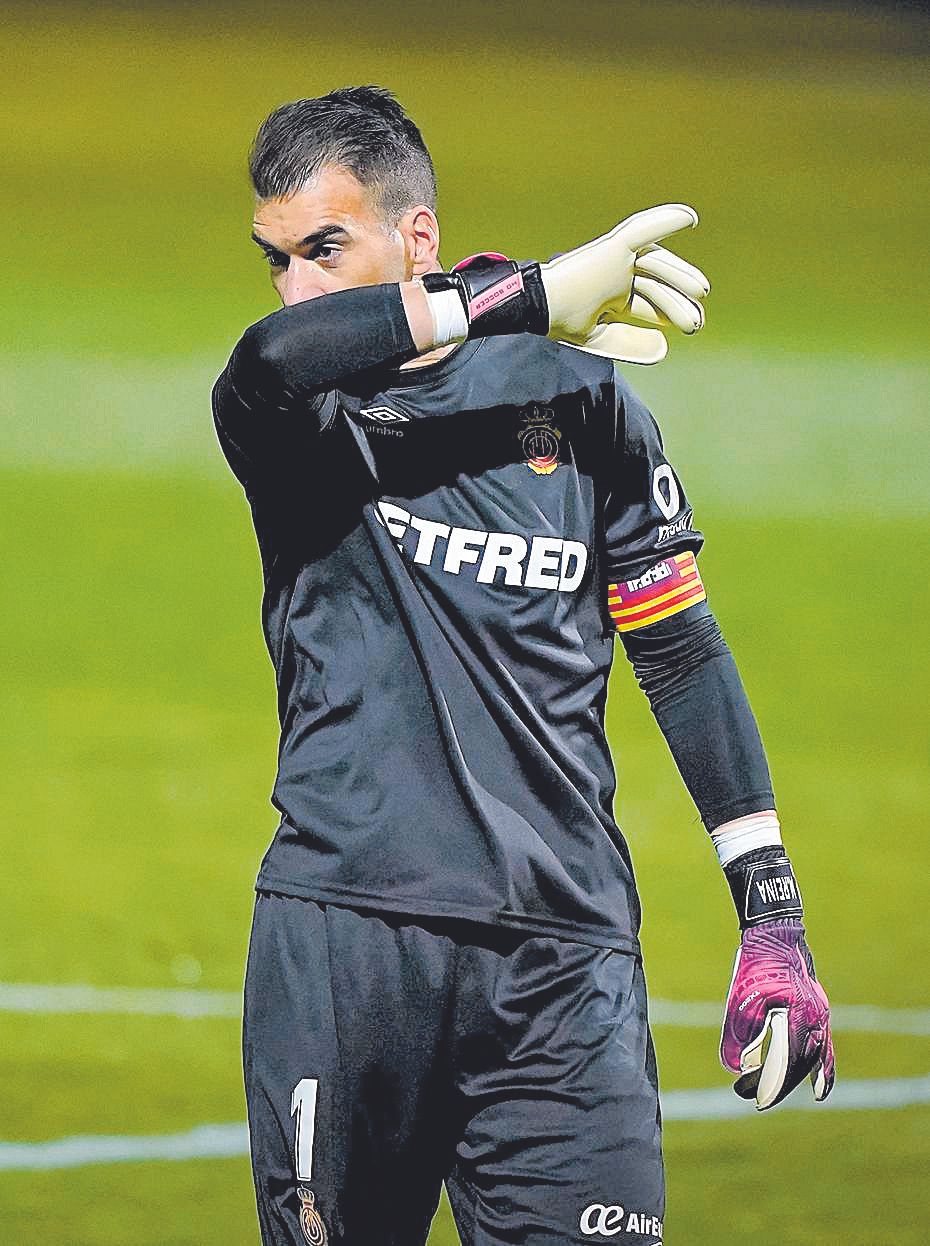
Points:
(643, 487)
(685, 667)
(436, 547)
(520, 1070)
(275, 394)
(492, 301)
(763, 886)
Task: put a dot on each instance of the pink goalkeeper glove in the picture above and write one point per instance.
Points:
(777, 1021)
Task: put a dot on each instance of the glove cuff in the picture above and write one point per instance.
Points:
(498, 296)
(763, 887)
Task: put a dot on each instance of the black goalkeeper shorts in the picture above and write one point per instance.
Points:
(385, 1055)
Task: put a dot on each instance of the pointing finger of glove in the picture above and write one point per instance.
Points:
(626, 342)
(656, 261)
(642, 228)
(684, 313)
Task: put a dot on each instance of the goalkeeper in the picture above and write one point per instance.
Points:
(459, 504)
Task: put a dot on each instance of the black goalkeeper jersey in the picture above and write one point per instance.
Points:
(437, 546)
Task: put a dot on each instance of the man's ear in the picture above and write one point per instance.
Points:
(420, 231)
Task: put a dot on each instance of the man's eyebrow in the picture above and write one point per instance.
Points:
(311, 240)
(265, 246)
(320, 235)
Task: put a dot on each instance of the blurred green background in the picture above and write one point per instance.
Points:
(138, 722)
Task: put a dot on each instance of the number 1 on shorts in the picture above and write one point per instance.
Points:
(303, 1102)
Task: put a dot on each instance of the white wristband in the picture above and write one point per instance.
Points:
(755, 830)
(450, 323)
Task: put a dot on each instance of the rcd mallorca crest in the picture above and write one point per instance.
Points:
(539, 439)
(311, 1222)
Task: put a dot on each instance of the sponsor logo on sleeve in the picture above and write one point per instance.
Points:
(669, 586)
(684, 523)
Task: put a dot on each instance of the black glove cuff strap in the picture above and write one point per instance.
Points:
(763, 886)
(499, 296)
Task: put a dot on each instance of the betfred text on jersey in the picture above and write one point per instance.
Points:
(503, 557)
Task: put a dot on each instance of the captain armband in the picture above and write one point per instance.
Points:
(669, 586)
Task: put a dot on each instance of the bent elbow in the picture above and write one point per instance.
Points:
(259, 367)
(261, 347)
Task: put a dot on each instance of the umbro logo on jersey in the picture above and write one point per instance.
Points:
(384, 415)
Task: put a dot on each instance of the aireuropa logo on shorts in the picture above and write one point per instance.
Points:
(607, 1220)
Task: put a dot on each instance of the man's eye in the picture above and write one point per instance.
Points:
(326, 252)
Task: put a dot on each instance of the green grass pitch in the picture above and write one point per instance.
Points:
(137, 711)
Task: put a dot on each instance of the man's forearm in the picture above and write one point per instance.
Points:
(273, 392)
(687, 671)
(301, 351)
(276, 394)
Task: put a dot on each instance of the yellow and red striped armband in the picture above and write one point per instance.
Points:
(671, 585)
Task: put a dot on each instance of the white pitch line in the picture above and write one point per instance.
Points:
(204, 1142)
(25, 997)
(41, 998)
(720, 1103)
(232, 1141)
(851, 1018)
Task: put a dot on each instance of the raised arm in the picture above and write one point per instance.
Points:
(275, 396)
(276, 392)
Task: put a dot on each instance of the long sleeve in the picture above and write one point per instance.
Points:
(658, 605)
(275, 396)
(685, 667)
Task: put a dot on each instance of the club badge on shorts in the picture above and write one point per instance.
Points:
(311, 1222)
(539, 440)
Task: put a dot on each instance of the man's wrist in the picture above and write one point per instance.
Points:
(420, 316)
(763, 887)
(497, 296)
(758, 870)
(753, 830)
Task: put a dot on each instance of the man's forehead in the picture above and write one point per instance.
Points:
(334, 197)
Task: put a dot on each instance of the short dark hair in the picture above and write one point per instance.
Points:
(362, 129)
